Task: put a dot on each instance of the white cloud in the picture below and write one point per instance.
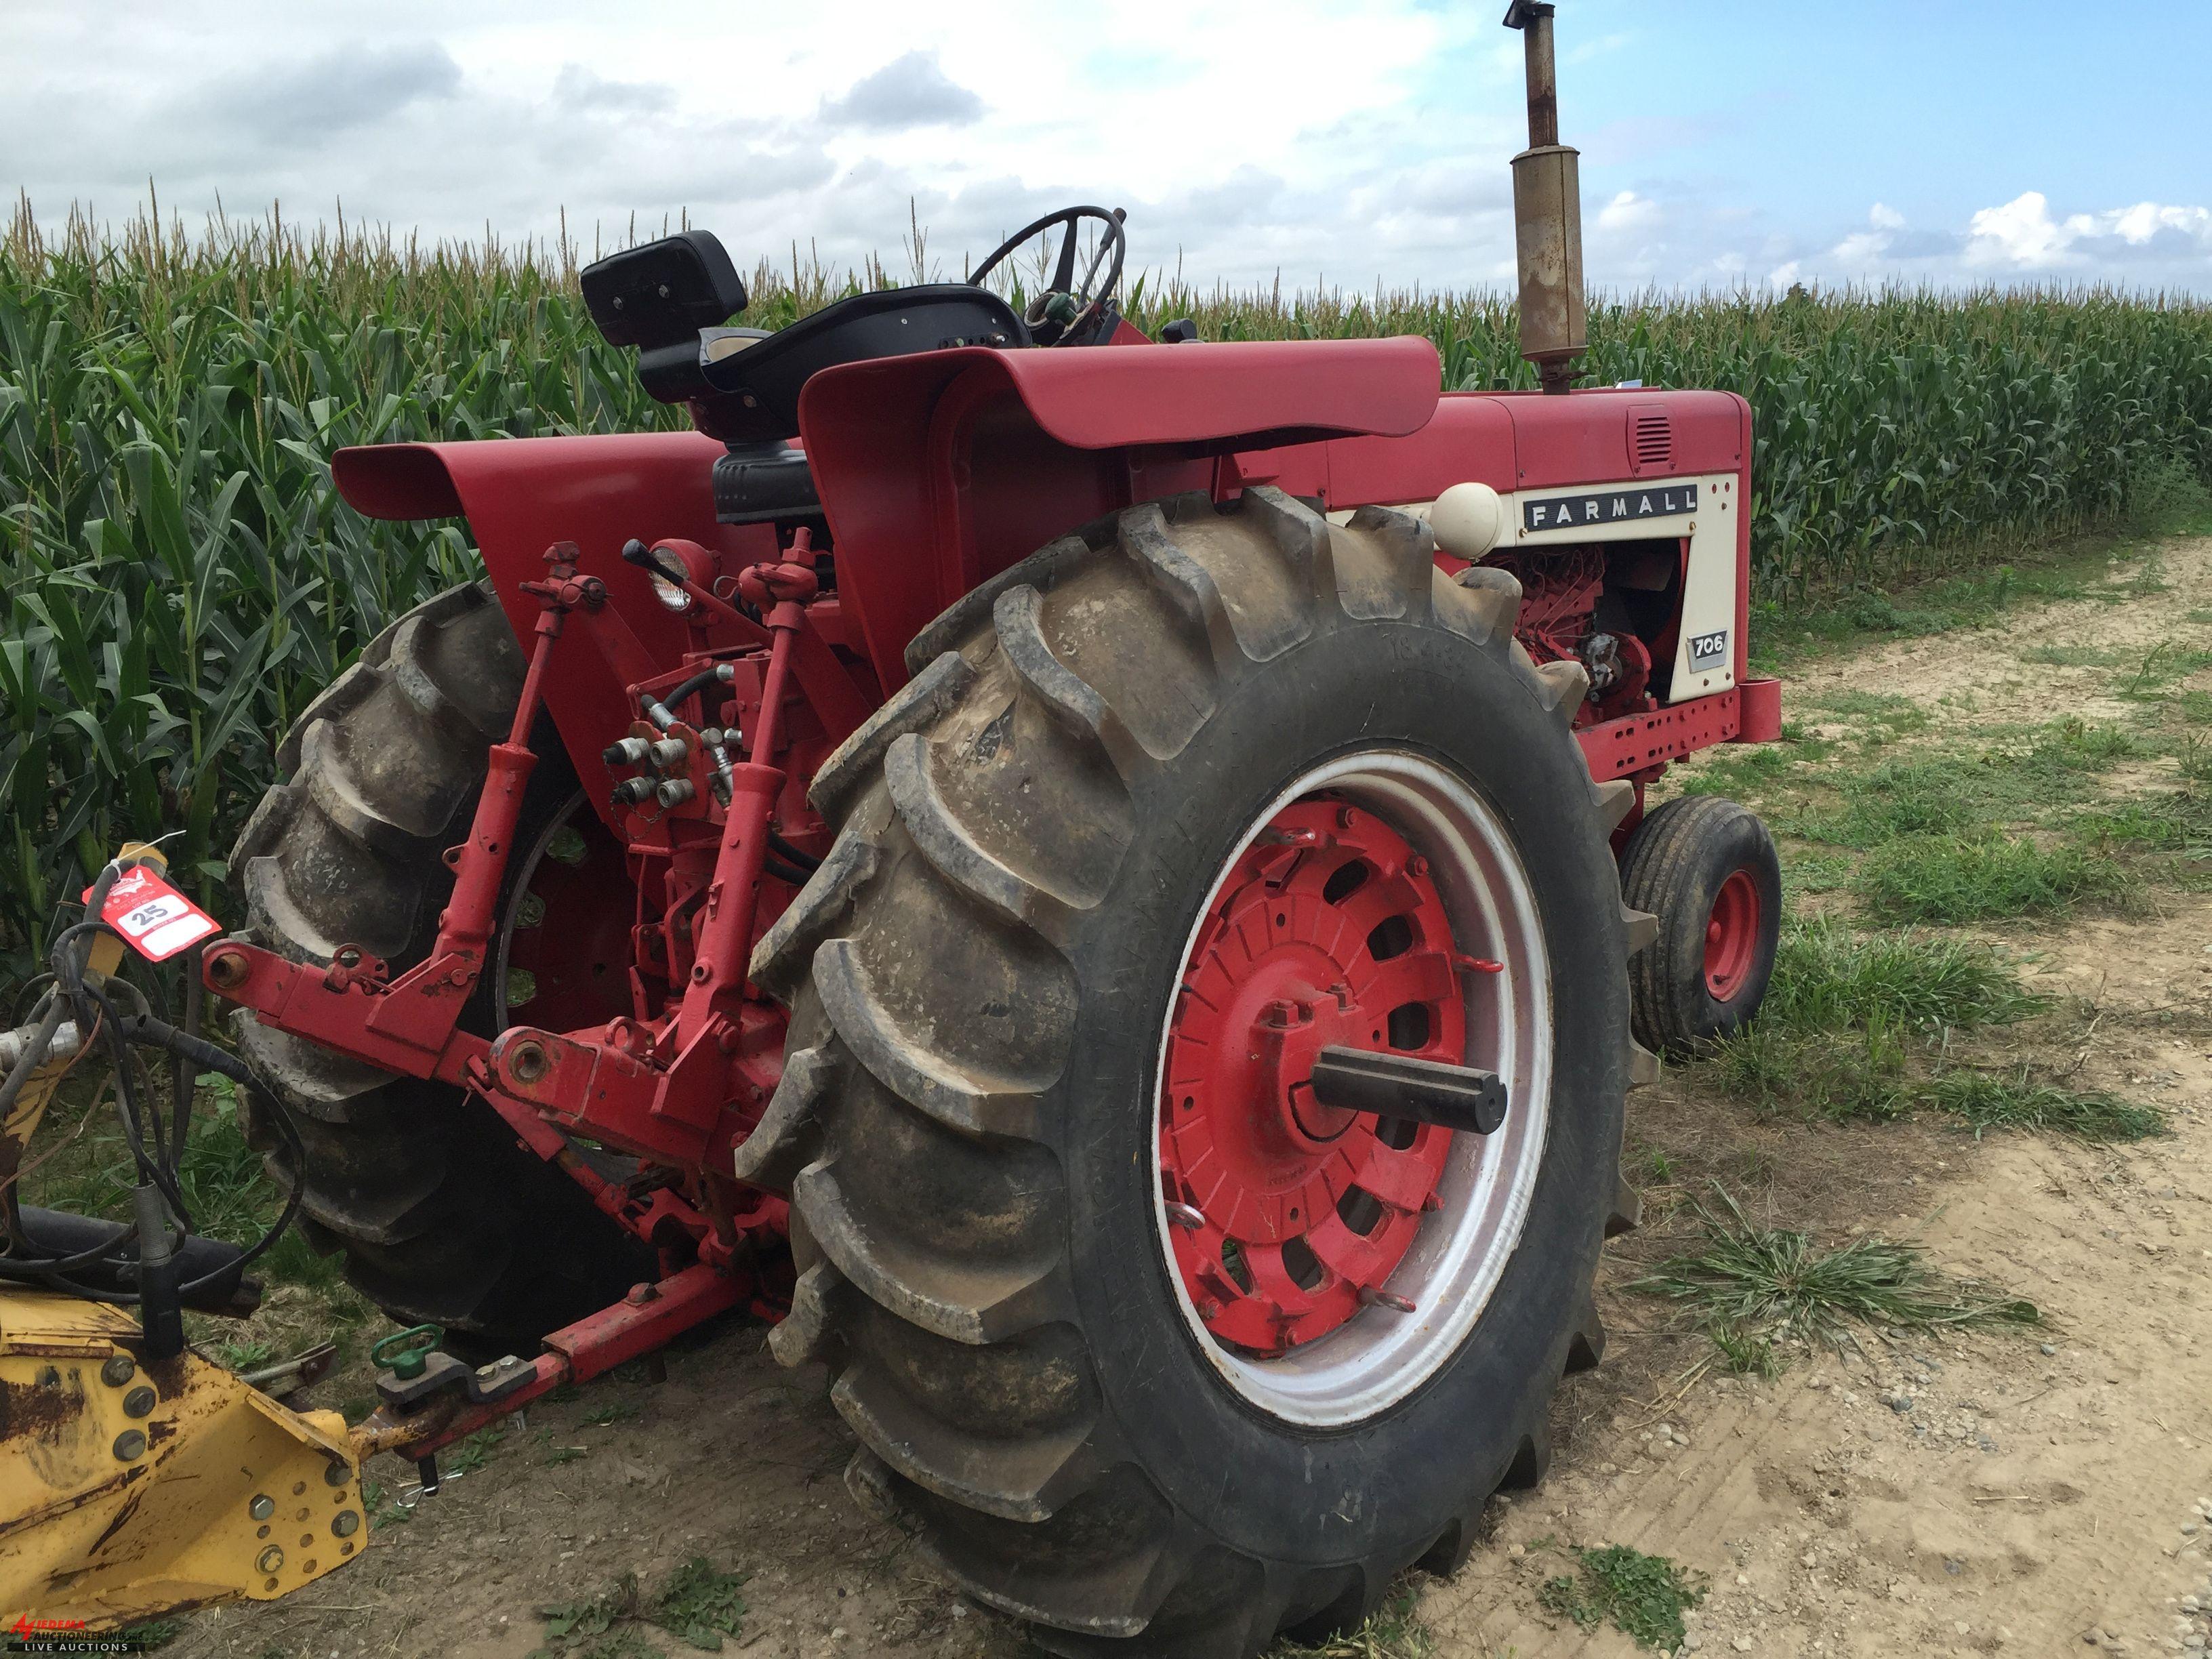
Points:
(909, 91)
(2140, 223)
(1629, 212)
(1236, 146)
(1345, 140)
(2022, 235)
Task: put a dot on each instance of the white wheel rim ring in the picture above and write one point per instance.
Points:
(1455, 1263)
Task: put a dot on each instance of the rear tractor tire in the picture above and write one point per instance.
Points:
(1706, 868)
(1149, 1347)
(441, 1214)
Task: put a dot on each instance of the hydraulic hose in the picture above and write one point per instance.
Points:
(97, 1247)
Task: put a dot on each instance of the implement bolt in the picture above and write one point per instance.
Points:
(227, 969)
(262, 1507)
(129, 1446)
(139, 1402)
(1184, 1215)
(347, 1524)
(336, 1474)
(117, 1371)
(268, 1560)
(526, 1062)
(640, 1295)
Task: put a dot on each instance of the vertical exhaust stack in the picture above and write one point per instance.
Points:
(1548, 215)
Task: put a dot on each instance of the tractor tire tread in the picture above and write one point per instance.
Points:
(385, 766)
(1038, 1513)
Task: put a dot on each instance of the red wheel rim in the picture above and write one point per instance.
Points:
(1288, 1216)
(1731, 935)
(564, 960)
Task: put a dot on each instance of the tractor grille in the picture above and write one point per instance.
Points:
(1650, 441)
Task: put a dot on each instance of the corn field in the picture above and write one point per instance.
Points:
(179, 578)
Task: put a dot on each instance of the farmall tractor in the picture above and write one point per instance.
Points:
(1102, 886)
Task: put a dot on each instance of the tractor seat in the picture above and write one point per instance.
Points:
(669, 299)
(751, 379)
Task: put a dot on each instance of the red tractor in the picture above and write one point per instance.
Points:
(1103, 885)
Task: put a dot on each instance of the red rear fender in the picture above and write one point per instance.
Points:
(522, 494)
(940, 470)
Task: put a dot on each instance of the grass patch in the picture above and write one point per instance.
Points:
(1986, 1100)
(471, 1455)
(1828, 978)
(1954, 878)
(1392, 1632)
(1779, 1072)
(2073, 656)
(2158, 669)
(1749, 769)
(1764, 1284)
(1642, 1596)
(1959, 793)
(1815, 872)
(1896, 716)
(698, 1603)
(2177, 822)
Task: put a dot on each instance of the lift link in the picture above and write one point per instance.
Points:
(780, 592)
(412, 1027)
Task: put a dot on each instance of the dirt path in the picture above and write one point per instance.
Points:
(1983, 1494)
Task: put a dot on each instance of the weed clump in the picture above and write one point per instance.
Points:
(698, 1603)
(1644, 1596)
(1755, 1285)
(1828, 978)
(1985, 1101)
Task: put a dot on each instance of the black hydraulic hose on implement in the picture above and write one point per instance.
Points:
(98, 1248)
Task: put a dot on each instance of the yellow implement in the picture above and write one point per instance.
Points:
(127, 1489)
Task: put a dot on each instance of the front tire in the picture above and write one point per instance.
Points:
(981, 977)
(1706, 867)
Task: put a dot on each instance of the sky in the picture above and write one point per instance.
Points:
(1724, 144)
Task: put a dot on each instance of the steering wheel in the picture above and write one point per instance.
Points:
(1066, 311)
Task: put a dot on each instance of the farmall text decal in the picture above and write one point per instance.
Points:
(1608, 507)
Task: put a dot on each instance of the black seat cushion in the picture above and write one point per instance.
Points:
(753, 384)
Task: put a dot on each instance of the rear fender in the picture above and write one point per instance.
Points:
(940, 470)
(522, 494)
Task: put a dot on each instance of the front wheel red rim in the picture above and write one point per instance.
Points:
(1732, 936)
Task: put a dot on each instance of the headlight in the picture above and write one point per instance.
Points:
(669, 594)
